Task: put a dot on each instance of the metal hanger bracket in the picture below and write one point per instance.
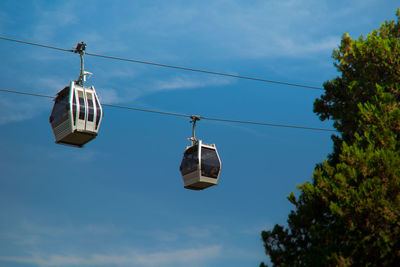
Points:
(194, 118)
(80, 49)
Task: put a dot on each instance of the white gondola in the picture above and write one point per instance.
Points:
(201, 165)
(77, 113)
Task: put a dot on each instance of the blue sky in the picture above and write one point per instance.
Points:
(120, 201)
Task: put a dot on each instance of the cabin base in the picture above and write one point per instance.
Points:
(199, 186)
(198, 183)
(77, 139)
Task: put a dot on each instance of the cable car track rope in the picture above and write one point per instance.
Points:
(185, 115)
(167, 66)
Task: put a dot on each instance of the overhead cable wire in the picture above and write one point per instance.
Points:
(185, 115)
(170, 66)
(36, 44)
(25, 93)
(206, 71)
(148, 110)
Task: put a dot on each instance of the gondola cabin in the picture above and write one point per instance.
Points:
(76, 115)
(201, 166)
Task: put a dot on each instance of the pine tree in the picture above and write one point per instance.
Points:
(349, 215)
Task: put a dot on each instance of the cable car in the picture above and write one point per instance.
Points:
(77, 113)
(201, 165)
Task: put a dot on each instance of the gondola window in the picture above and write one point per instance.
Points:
(209, 163)
(82, 106)
(190, 160)
(60, 110)
(91, 109)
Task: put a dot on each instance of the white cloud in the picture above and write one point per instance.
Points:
(188, 82)
(50, 85)
(205, 232)
(116, 74)
(181, 82)
(110, 96)
(298, 48)
(278, 29)
(13, 109)
(21, 239)
(17, 108)
(29, 233)
(190, 233)
(48, 245)
(242, 29)
(259, 29)
(177, 257)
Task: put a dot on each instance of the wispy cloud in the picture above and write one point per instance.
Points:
(277, 29)
(110, 96)
(177, 257)
(12, 109)
(260, 29)
(50, 84)
(240, 29)
(47, 245)
(188, 82)
(149, 87)
(17, 108)
(33, 235)
(184, 234)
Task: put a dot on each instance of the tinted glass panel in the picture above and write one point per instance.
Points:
(81, 106)
(190, 160)
(210, 165)
(98, 114)
(90, 106)
(74, 107)
(60, 110)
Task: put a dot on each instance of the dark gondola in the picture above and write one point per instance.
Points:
(201, 165)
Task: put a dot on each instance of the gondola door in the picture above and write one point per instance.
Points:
(81, 105)
(91, 110)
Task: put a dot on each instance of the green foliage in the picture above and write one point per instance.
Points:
(349, 215)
